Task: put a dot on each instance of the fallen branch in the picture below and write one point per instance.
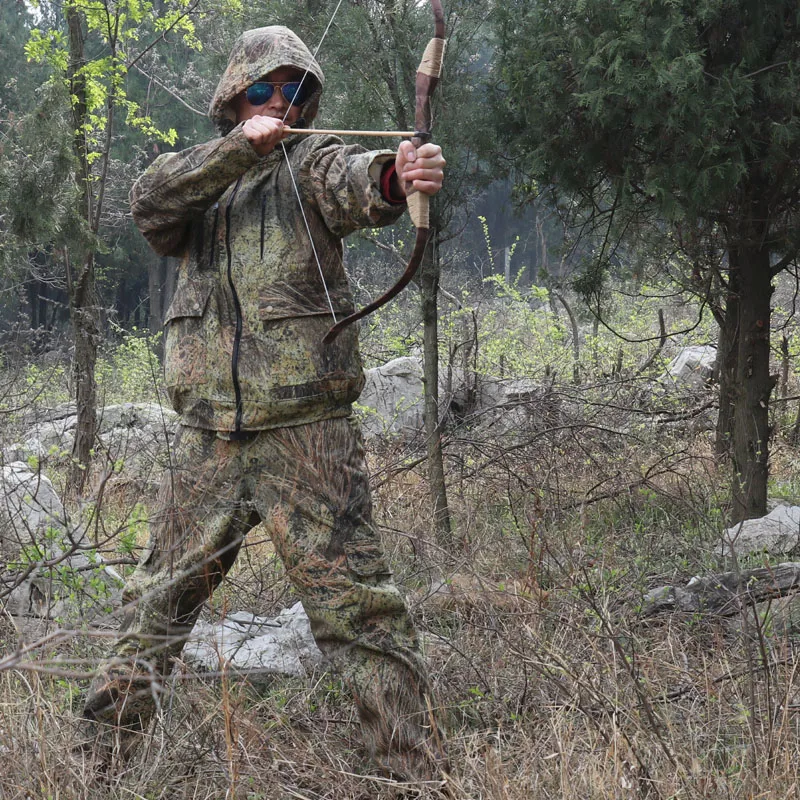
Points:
(724, 594)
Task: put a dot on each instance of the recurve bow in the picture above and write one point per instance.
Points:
(418, 203)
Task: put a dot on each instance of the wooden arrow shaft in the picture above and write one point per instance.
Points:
(384, 134)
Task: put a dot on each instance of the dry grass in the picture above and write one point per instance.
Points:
(551, 685)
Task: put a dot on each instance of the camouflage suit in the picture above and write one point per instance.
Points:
(267, 433)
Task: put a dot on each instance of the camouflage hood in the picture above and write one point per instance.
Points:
(255, 54)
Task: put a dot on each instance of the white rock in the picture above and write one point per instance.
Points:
(255, 645)
(34, 529)
(31, 513)
(693, 366)
(777, 533)
(135, 435)
(392, 398)
(150, 416)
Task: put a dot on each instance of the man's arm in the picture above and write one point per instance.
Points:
(345, 184)
(177, 188)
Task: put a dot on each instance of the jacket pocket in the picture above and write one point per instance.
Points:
(366, 558)
(281, 301)
(186, 345)
(191, 299)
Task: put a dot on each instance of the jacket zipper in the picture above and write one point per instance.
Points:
(213, 237)
(263, 221)
(237, 339)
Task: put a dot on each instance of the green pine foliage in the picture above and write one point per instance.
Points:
(681, 106)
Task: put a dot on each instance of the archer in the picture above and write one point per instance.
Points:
(267, 431)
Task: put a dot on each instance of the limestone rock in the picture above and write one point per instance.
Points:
(48, 565)
(778, 533)
(392, 398)
(31, 513)
(255, 646)
(135, 435)
(692, 367)
(725, 594)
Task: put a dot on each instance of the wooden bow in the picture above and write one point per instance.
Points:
(418, 203)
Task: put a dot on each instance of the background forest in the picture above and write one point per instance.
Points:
(622, 197)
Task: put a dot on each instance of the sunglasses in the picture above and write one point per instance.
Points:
(294, 92)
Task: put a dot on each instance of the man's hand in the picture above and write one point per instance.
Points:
(421, 170)
(264, 133)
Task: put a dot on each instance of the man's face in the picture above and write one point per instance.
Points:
(277, 105)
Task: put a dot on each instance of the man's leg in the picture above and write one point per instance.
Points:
(316, 504)
(195, 536)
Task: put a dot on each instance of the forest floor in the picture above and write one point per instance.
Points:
(550, 681)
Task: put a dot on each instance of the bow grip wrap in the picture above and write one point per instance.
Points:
(432, 58)
(419, 207)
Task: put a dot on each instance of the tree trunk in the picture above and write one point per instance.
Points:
(81, 281)
(576, 340)
(32, 290)
(86, 332)
(784, 366)
(429, 290)
(727, 359)
(754, 384)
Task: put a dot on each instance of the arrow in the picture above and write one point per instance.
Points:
(385, 134)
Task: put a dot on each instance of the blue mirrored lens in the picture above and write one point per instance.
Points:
(295, 93)
(259, 93)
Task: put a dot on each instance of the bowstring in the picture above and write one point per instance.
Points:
(308, 228)
(291, 173)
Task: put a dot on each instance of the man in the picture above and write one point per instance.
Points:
(267, 433)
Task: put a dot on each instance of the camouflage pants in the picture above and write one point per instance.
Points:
(308, 485)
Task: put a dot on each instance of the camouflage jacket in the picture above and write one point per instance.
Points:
(243, 345)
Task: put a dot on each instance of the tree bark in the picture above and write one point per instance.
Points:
(727, 359)
(576, 341)
(784, 365)
(754, 384)
(429, 290)
(156, 285)
(81, 281)
(83, 309)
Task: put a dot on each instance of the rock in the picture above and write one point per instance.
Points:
(143, 416)
(255, 646)
(692, 367)
(48, 568)
(762, 604)
(392, 401)
(52, 437)
(778, 620)
(392, 398)
(778, 533)
(136, 437)
(513, 405)
(31, 514)
(35, 415)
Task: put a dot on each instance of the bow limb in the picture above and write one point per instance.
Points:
(418, 203)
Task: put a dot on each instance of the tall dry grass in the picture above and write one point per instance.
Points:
(550, 682)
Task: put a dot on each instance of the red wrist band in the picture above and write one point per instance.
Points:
(389, 171)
